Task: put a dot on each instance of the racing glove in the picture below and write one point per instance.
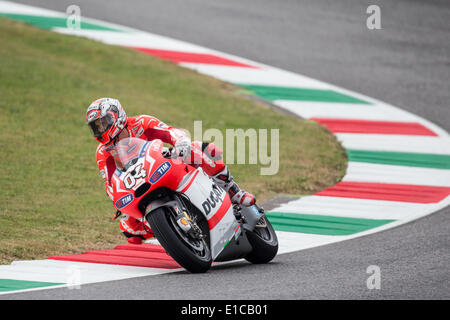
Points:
(183, 148)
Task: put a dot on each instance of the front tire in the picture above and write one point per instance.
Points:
(177, 246)
(264, 242)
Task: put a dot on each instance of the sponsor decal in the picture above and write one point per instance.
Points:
(124, 201)
(115, 132)
(92, 115)
(118, 173)
(131, 148)
(137, 131)
(93, 106)
(162, 170)
(144, 149)
(109, 148)
(215, 198)
(140, 132)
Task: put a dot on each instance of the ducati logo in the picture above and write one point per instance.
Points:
(215, 198)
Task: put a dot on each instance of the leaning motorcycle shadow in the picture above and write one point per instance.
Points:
(232, 266)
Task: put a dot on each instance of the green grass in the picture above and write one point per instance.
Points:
(52, 198)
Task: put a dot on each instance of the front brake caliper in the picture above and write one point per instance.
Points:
(184, 221)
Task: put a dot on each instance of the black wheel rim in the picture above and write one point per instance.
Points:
(197, 246)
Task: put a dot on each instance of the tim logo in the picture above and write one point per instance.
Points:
(124, 201)
(162, 169)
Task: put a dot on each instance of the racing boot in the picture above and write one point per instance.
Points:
(237, 195)
(135, 230)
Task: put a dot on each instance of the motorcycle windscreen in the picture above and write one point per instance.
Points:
(127, 151)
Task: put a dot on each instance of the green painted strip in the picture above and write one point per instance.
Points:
(53, 22)
(323, 225)
(425, 160)
(289, 93)
(12, 285)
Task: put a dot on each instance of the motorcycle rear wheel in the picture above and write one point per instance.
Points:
(264, 242)
(180, 247)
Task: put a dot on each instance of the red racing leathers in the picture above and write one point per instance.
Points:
(205, 155)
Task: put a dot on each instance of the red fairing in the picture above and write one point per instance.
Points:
(155, 169)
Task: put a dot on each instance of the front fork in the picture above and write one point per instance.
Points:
(249, 217)
(183, 219)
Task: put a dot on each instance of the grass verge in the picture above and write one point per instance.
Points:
(52, 199)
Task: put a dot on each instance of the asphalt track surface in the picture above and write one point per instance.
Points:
(406, 63)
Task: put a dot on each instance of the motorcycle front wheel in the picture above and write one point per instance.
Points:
(191, 253)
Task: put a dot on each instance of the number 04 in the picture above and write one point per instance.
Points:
(130, 179)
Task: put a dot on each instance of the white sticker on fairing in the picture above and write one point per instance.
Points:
(213, 202)
(208, 200)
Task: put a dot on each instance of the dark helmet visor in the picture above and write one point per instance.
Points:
(101, 125)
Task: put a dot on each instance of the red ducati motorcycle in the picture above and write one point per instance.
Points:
(191, 216)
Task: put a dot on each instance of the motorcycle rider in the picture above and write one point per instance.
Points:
(109, 124)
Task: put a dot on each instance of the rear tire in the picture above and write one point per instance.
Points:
(264, 242)
(161, 222)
